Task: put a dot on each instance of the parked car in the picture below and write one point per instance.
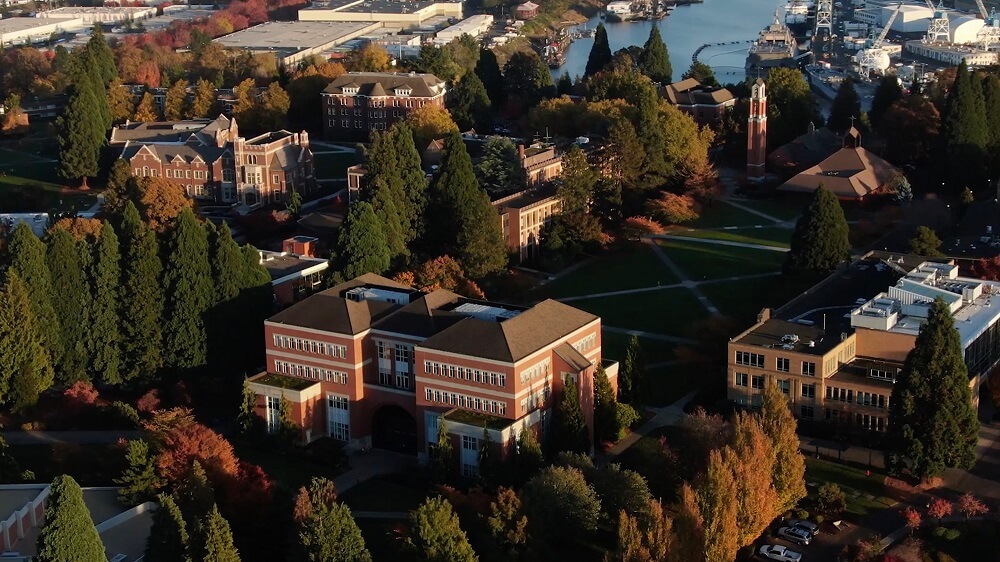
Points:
(780, 553)
(795, 535)
(804, 525)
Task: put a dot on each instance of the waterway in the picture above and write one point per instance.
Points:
(684, 30)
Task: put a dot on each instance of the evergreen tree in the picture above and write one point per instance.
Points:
(139, 481)
(487, 464)
(102, 317)
(606, 426)
(564, 86)
(69, 297)
(624, 155)
(26, 253)
(196, 498)
(569, 431)
(470, 104)
(789, 469)
(393, 164)
(68, 532)
(790, 105)
(887, 93)
(499, 170)
(820, 241)
(444, 455)
(226, 261)
(600, 52)
(926, 243)
(168, 539)
(488, 71)
(655, 60)
(702, 73)
(846, 107)
(632, 373)
(656, 170)
(257, 297)
(528, 458)
(575, 185)
(187, 282)
(560, 504)
(436, 535)
(103, 59)
(414, 180)
(217, 540)
(25, 370)
(461, 221)
(328, 532)
(389, 218)
(964, 132)
(175, 107)
(527, 80)
(361, 246)
(991, 100)
(81, 131)
(141, 298)
(932, 424)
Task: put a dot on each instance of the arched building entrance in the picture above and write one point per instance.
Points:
(394, 429)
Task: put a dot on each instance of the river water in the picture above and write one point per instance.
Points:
(686, 29)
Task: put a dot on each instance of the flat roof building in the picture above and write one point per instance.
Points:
(294, 41)
(953, 54)
(837, 349)
(99, 14)
(404, 14)
(475, 26)
(25, 31)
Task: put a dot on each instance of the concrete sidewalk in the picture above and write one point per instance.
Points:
(74, 437)
(376, 462)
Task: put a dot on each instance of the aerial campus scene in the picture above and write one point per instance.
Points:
(449, 281)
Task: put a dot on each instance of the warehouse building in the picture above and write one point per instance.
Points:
(401, 14)
(475, 27)
(100, 14)
(294, 41)
(25, 31)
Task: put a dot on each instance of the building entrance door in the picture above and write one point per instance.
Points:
(394, 429)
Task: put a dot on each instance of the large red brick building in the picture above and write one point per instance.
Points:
(356, 103)
(372, 362)
(211, 161)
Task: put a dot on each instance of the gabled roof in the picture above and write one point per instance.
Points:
(174, 152)
(528, 6)
(850, 173)
(512, 339)
(329, 312)
(691, 92)
(423, 317)
(572, 357)
(371, 83)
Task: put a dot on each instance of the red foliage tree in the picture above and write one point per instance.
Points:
(913, 518)
(148, 73)
(939, 508)
(970, 506)
(79, 398)
(149, 402)
(987, 268)
(636, 227)
(179, 440)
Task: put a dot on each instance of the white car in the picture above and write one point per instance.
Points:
(780, 553)
(795, 535)
(809, 526)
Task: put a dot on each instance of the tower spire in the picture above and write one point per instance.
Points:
(757, 132)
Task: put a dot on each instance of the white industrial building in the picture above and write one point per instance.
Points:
(953, 55)
(99, 14)
(405, 14)
(964, 30)
(911, 19)
(25, 31)
(294, 41)
(475, 26)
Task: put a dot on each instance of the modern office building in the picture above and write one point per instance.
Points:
(837, 349)
(357, 103)
(373, 362)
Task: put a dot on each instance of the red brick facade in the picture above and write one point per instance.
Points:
(360, 102)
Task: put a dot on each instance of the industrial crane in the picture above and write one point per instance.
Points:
(990, 33)
(873, 57)
(938, 29)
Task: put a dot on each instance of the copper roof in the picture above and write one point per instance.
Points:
(850, 173)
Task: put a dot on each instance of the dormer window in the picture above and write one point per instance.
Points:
(403, 91)
(351, 90)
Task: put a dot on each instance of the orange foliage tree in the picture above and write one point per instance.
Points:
(673, 208)
(87, 230)
(637, 227)
(442, 272)
(161, 201)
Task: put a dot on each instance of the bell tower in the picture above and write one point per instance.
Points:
(757, 132)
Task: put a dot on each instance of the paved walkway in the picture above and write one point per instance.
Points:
(376, 462)
(686, 281)
(754, 211)
(721, 242)
(663, 416)
(74, 437)
(649, 335)
(671, 286)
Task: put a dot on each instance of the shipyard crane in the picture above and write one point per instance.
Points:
(990, 33)
(938, 28)
(824, 16)
(873, 57)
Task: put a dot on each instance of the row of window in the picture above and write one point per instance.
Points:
(310, 346)
(198, 174)
(467, 402)
(464, 373)
(757, 380)
(360, 100)
(750, 359)
(860, 398)
(307, 372)
(538, 370)
(535, 400)
(346, 124)
(401, 379)
(400, 352)
(586, 344)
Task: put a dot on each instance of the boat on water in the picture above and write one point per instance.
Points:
(775, 47)
(621, 10)
(554, 51)
(798, 14)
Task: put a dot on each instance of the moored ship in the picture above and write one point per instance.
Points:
(775, 47)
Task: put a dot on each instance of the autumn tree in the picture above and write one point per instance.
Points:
(188, 293)
(932, 424)
(161, 202)
(788, 470)
(436, 535)
(168, 539)
(560, 504)
(460, 220)
(970, 506)
(443, 273)
(831, 500)
(428, 123)
(940, 508)
(508, 526)
(142, 298)
(147, 110)
(68, 532)
(673, 208)
(82, 229)
(912, 518)
(820, 241)
(369, 58)
(121, 102)
(203, 101)
(175, 107)
(326, 529)
(104, 276)
(25, 368)
(64, 257)
(645, 539)
(751, 460)
(718, 507)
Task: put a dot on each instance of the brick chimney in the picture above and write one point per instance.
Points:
(520, 151)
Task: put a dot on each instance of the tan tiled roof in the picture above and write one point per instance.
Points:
(423, 317)
(370, 83)
(328, 312)
(691, 92)
(850, 173)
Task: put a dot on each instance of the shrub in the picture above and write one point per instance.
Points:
(938, 532)
(801, 514)
(150, 402)
(123, 415)
(951, 534)
(820, 519)
(627, 416)
(831, 499)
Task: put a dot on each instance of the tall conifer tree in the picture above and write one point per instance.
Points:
(887, 93)
(168, 539)
(25, 370)
(488, 70)
(600, 52)
(326, 529)
(820, 240)
(187, 281)
(964, 131)
(257, 297)
(216, 543)
(103, 317)
(228, 273)
(141, 298)
(26, 253)
(846, 107)
(570, 431)
(69, 532)
(932, 424)
(361, 246)
(654, 61)
(991, 99)
(69, 297)
(82, 125)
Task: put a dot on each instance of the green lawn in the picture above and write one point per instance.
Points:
(669, 311)
(713, 261)
(776, 208)
(29, 180)
(768, 236)
(384, 494)
(288, 471)
(333, 166)
(744, 299)
(614, 344)
(633, 268)
(850, 480)
(670, 383)
(721, 214)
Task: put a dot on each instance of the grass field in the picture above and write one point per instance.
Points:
(712, 261)
(670, 383)
(853, 481)
(29, 180)
(333, 166)
(777, 209)
(634, 268)
(614, 344)
(767, 236)
(669, 311)
(721, 214)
